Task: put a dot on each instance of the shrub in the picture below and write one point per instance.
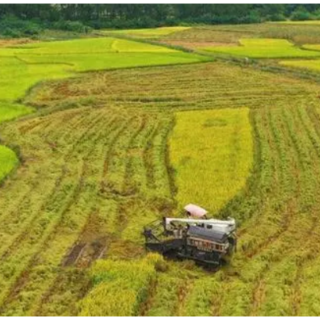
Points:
(277, 17)
(11, 26)
(300, 14)
(74, 26)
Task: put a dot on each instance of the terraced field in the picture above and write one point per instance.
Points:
(23, 65)
(311, 65)
(96, 168)
(222, 35)
(148, 33)
(265, 48)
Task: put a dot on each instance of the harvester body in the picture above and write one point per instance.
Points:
(208, 241)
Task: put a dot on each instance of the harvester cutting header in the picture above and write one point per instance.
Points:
(196, 237)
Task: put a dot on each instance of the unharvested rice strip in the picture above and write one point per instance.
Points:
(49, 227)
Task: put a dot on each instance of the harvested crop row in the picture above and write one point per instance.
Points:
(276, 210)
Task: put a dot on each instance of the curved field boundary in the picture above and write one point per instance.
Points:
(23, 66)
(53, 203)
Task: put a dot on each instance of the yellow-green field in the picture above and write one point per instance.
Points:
(212, 153)
(299, 23)
(264, 48)
(315, 47)
(148, 32)
(105, 153)
(97, 168)
(8, 160)
(313, 65)
(24, 65)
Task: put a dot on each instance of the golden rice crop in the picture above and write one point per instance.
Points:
(212, 153)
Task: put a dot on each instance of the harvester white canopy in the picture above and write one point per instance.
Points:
(195, 210)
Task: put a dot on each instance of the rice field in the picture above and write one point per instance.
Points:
(265, 48)
(101, 160)
(312, 65)
(211, 153)
(227, 35)
(23, 65)
(99, 155)
(314, 47)
(147, 33)
(300, 23)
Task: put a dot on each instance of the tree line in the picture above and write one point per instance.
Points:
(81, 17)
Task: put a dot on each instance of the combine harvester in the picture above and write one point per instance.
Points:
(207, 241)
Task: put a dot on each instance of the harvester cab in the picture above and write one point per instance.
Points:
(197, 237)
